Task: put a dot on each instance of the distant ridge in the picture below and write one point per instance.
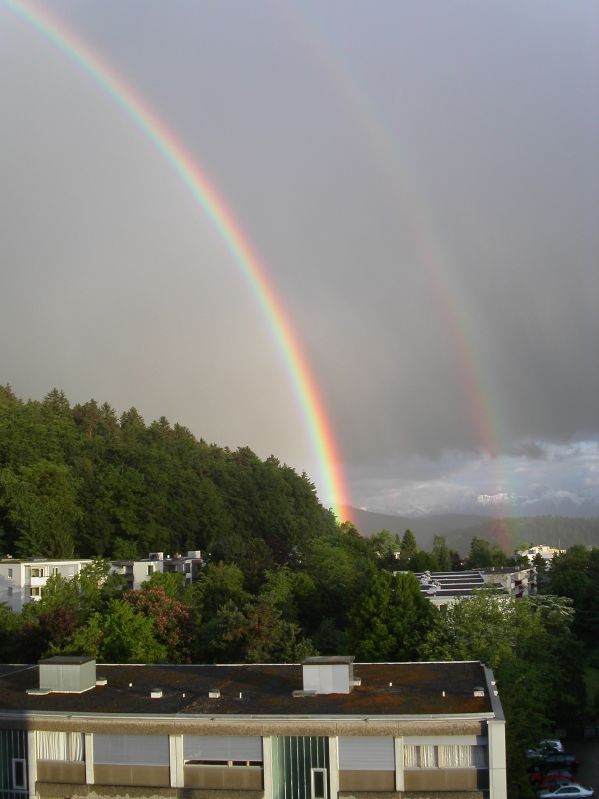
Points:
(460, 529)
(423, 527)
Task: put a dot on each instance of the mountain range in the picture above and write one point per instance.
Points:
(460, 529)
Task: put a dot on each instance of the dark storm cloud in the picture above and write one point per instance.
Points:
(529, 449)
(420, 181)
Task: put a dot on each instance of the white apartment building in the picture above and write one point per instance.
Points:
(547, 553)
(23, 580)
(137, 572)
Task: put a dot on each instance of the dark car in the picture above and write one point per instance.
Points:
(557, 760)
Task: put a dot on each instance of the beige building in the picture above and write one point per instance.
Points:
(324, 729)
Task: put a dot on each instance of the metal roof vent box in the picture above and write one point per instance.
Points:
(67, 674)
(328, 675)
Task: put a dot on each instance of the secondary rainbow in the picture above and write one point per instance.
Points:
(207, 197)
(327, 61)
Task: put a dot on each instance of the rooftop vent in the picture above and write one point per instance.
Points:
(328, 675)
(68, 675)
(214, 693)
(479, 691)
(156, 693)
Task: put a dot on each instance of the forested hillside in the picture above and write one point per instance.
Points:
(81, 481)
(556, 531)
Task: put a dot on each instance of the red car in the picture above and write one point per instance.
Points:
(548, 779)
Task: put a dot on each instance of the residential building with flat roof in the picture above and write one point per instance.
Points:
(328, 728)
(547, 553)
(137, 572)
(444, 588)
(24, 580)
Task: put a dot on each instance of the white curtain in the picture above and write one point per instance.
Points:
(76, 746)
(52, 745)
(455, 756)
(462, 756)
(410, 756)
(428, 756)
(60, 746)
(423, 756)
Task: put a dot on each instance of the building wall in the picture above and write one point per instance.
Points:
(373, 765)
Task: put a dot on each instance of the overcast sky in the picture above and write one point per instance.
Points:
(421, 182)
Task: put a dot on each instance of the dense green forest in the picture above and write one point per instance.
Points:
(80, 481)
(282, 578)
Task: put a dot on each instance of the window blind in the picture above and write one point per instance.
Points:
(151, 750)
(222, 747)
(366, 753)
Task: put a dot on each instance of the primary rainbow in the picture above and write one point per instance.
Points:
(221, 217)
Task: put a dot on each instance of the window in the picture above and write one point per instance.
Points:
(35, 590)
(366, 753)
(55, 571)
(37, 572)
(10, 573)
(141, 750)
(19, 774)
(150, 569)
(222, 749)
(319, 783)
(10, 590)
(445, 756)
(423, 756)
(60, 746)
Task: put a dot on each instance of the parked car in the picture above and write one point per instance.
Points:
(544, 748)
(547, 779)
(558, 760)
(570, 790)
(553, 788)
(551, 743)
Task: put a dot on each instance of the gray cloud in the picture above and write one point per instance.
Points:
(421, 187)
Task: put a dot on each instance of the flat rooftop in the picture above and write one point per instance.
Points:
(394, 689)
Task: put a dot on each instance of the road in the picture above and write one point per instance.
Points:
(587, 753)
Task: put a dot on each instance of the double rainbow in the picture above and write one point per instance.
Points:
(155, 129)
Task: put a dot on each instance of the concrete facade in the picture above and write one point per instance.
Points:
(96, 744)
